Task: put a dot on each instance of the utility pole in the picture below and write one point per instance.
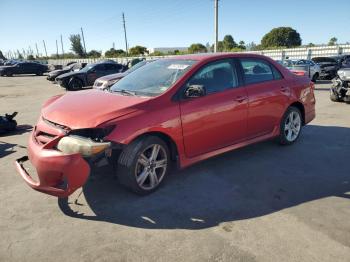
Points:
(56, 48)
(37, 51)
(216, 25)
(126, 41)
(82, 34)
(45, 47)
(62, 46)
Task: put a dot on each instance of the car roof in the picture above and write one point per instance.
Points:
(210, 56)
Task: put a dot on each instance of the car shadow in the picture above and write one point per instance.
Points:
(8, 148)
(21, 129)
(246, 183)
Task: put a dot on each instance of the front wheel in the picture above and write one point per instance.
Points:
(290, 126)
(315, 77)
(143, 164)
(75, 84)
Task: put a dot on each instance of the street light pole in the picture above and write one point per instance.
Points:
(216, 25)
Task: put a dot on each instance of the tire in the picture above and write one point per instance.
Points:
(138, 173)
(9, 74)
(347, 99)
(291, 134)
(333, 97)
(315, 77)
(75, 84)
(39, 73)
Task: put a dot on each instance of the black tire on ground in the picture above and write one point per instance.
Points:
(9, 74)
(315, 77)
(282, 139)
(129, 158)
(75, 84)
(39, 73)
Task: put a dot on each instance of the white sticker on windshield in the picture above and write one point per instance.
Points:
(178, 66)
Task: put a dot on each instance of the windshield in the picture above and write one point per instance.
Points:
(138, 65)
(153, 78)
(87, 67)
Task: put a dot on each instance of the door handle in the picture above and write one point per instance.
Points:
(240, 99)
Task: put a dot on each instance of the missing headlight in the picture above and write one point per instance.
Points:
(95, 134)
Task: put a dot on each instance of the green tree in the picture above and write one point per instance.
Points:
(241, 45)
(333, 41)
(281, 37)
(197, 48)
(94, 54)
(2, 56)
(30, 57)
(77, 47)
(228, 43)
(310, 45)
(138, 50)
(115, 53)
(157, 53)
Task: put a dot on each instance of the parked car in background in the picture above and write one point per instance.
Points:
(343, 61)
(340, 89)
(107, 81)
(329, 66)
(71, 67)
(182, 109)
(23, 68)
(76, 80)
(302, 67)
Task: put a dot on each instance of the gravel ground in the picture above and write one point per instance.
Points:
(260, 203)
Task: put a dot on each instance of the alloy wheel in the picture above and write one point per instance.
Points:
(292, 126)
(151, 167)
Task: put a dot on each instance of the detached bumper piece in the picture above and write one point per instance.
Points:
(58, 174)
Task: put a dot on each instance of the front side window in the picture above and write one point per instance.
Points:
(216, 77)
(257, 71)
(154, 78)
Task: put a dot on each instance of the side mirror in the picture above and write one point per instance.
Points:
(195, 91)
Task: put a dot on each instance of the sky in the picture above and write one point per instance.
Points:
(165, 23)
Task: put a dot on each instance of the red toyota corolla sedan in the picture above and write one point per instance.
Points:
(182, 109)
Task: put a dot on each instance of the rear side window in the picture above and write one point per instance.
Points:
(257, 71)
(112, 67)
(216, 76)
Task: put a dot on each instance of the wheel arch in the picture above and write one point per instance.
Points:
(174, 153)
(301, 107)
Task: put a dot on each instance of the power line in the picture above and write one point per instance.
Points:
(126, 41)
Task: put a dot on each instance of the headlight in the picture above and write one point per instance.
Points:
(85, 146)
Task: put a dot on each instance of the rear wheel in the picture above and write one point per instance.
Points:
(39, 73)
(290, 126)
(143, 164)
(9, 73)
(75, 84)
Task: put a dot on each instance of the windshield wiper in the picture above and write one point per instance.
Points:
(125, 92)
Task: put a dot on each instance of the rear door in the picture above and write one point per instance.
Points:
(268, 94)
(219, 118)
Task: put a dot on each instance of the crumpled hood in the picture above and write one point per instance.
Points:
(69, 74)
(58, 71)
(112, 76)
(90, 108)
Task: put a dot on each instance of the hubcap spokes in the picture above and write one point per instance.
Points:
(151, 167)
(292, 126)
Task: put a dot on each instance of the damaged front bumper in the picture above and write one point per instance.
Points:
(58, 174)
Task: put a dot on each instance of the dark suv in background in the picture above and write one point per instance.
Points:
(76, 80)
(23, 68)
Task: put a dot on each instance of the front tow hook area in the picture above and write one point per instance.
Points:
(72, 171)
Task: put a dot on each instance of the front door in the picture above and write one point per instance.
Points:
(219, 118)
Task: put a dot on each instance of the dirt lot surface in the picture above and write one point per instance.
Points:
(260, 203)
